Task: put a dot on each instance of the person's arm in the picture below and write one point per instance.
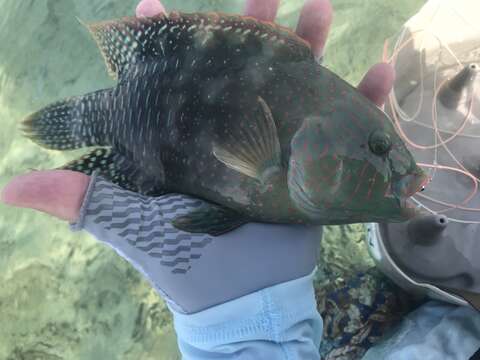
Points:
(194, 272)
(434, 331)
(249, 291)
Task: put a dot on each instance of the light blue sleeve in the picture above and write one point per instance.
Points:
(434, 331)
(280, 322)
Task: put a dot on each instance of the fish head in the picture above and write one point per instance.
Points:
(350, 165)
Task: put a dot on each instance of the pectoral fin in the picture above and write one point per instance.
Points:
(210, 219)
(256, 152)
(123, 42)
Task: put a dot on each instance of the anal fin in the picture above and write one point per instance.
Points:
(122, 42)
(119, 170)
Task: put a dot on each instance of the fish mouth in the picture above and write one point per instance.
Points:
(411, 184)
(408, 186)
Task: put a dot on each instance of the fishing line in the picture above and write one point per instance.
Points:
(399, 116)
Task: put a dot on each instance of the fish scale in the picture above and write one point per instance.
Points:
(234, 111)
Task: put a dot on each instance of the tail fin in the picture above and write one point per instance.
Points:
(70, 124)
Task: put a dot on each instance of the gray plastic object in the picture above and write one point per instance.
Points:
(387, 262)
(452, 93)
(430, 254)
(438, 253)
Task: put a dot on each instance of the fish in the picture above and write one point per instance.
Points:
(237, 112)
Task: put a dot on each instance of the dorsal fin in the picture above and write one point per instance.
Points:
(123, 42)
(127, 40)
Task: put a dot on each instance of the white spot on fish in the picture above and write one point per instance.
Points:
(162, 48)
(141, 127)
(169, 119)
(148, 97)
(138, 99)
(149, 116)
(136, 86)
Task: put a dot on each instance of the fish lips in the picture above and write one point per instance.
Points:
(408, 186)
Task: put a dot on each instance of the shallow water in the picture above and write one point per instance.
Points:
(63, 295)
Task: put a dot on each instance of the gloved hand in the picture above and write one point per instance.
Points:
(195, 272)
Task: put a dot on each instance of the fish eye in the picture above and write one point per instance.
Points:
(379, 142)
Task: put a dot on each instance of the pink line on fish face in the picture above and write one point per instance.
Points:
(357, 187)
(358, 123)
(328, 174)
(372, 183)
(348, 130)
(362, 173)
(388, 190)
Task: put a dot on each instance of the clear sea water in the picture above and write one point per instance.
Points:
(62, 295)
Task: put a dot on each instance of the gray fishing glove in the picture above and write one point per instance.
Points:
(194, 271)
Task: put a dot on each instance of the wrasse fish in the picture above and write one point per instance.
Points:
(237, 112)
